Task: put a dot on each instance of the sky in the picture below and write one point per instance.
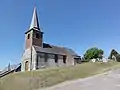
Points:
(77, 24)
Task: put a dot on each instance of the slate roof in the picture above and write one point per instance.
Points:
(34, 22)
(47, 48)
(70, 51)
(52, 50)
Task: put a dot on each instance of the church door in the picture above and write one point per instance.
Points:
(26, 66)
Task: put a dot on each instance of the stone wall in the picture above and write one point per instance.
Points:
(44, 60)
(27, 57)
(50, 61)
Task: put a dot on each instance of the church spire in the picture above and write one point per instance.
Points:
(34, 22)
(34, 36)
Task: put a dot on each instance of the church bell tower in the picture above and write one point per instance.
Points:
(34, 36)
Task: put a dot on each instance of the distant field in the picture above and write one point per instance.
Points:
(44, 78)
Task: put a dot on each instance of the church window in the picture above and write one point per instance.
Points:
(56, 58)
(46, 57)
(64, 59)
(28, 37)
(37, 35)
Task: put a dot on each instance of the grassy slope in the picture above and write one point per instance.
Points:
(44, 78)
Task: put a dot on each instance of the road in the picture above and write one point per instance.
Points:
(107, 81)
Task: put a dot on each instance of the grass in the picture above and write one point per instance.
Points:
(48, 77)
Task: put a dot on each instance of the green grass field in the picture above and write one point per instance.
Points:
(44, 78)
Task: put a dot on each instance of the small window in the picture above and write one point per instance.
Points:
(28, 37)
(46, 57)
(56, 58)
(64, 59)
(37, 35)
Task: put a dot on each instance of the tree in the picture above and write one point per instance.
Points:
(100, 54)
(93, 53)
(113, 52)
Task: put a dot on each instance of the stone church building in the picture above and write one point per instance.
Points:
(39, 55)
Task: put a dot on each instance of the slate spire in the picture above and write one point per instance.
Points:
(9, 67)
(34, 22)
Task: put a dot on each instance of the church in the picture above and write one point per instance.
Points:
(38, 55)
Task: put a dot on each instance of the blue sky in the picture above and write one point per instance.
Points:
(78, 24)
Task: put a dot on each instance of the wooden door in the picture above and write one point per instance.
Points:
(26, 66)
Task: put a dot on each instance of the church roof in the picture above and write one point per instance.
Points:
(34, 22)
(55, 50)
(50, 50)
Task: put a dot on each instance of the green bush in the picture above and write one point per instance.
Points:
(93, 53)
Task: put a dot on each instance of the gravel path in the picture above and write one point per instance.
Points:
(106, 81)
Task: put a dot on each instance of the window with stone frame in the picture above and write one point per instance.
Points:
(37, 35)
(64, 59)
(46, 57)
(28, 36)
(56, 58)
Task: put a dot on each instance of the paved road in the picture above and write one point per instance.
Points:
(109, 81)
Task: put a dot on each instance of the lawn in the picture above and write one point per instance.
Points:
(48, 77)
